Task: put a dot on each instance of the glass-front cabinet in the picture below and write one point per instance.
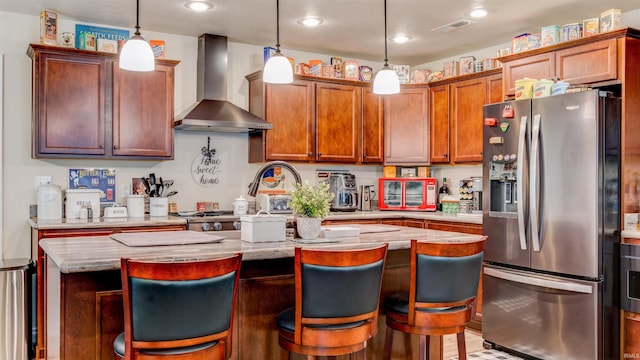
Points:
(407, 194)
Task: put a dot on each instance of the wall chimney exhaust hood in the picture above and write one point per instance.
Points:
(212, 111)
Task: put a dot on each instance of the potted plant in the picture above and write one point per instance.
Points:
(310, 203)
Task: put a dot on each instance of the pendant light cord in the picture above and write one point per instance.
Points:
(138, 17)
(386, 61)
(278, 26)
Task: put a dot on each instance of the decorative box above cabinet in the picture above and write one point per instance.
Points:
(84, 106)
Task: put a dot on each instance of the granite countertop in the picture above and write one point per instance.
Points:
(105, 222)
(174, 220)
(630, 234)
(98, 253)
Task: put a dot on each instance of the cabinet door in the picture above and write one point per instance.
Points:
(588, 63)
(337, 122)
(439, 123)
(372, 127)
(631, 333)
(541, 66)
(143, 112)
(69, 105)
(467, 99)
(406, 127)
(290, 109)
(494, 89)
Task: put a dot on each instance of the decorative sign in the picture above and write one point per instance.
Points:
(205, 169)
(101, 179)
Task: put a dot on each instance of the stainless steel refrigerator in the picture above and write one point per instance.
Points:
(551, 210)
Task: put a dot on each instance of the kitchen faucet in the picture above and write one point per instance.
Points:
(253, 186)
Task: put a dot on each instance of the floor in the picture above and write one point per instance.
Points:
(475, 350)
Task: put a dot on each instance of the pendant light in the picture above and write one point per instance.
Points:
(386, 81)
(136, 54)
(278, 69)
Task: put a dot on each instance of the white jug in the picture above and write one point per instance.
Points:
(49, 202)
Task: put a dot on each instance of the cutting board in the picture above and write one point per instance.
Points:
(158, 238)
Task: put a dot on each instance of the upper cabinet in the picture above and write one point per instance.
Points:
(315, 120)
(590, 60)
(406, 127)
(85, 107)
(372, 127)
(455, 116)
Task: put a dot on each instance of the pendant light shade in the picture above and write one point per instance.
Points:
(136, 54)
(278, 69)
(386, 81)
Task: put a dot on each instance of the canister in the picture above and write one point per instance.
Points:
(77, 199)
(524, 88)
(49, 202)
(542, 88)
(263, 227)
(135, 206)
(559, 88)
(240, 206)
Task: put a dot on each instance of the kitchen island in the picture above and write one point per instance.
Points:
(84, 303)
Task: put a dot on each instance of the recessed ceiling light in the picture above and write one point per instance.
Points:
(310, 21)
(400, 39)
(478, 13)
(198, 5)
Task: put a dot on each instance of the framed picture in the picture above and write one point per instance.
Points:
(101, 179)
(352, 70)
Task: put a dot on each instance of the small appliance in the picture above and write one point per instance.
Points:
(365, 193)
(477, 194)
(410, 193)
(343, 186)
(275, 204)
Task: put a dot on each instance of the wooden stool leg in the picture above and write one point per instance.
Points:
(462, 347)
(388, 342)
(424, 347)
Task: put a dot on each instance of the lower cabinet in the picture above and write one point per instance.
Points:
(631, 328)
(89, 314)
(103, 296)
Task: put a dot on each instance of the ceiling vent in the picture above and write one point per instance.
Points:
(452, 26)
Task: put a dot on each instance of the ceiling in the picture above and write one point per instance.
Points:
(351, 28)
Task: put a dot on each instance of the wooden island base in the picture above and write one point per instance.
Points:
(91, 313)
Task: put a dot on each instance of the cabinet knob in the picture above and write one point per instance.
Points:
(319, 154)
(445, 155)
(101, 146)
(115, 147)
(310, 153)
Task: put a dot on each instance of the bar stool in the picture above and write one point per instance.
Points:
(178, 310)
(443, 285)
(337, 300)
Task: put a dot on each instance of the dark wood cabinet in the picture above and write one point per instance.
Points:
(143, 112)
(455, 116)
(589, 60)
(631, 330)
(316, 120)
(95, 311)
(406, 127)
(69, 104)
(290, 109)
(372, 127)
(85, 107)
(467, 99)
(439, 123)
(338, 114)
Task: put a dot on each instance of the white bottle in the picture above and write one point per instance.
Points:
(239, 206)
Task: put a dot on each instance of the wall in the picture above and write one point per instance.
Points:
(19, 169)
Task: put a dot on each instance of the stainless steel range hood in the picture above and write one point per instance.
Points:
(212, 111)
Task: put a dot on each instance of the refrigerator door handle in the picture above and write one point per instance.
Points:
(536, 281)
(520, 182)
(534, 181)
